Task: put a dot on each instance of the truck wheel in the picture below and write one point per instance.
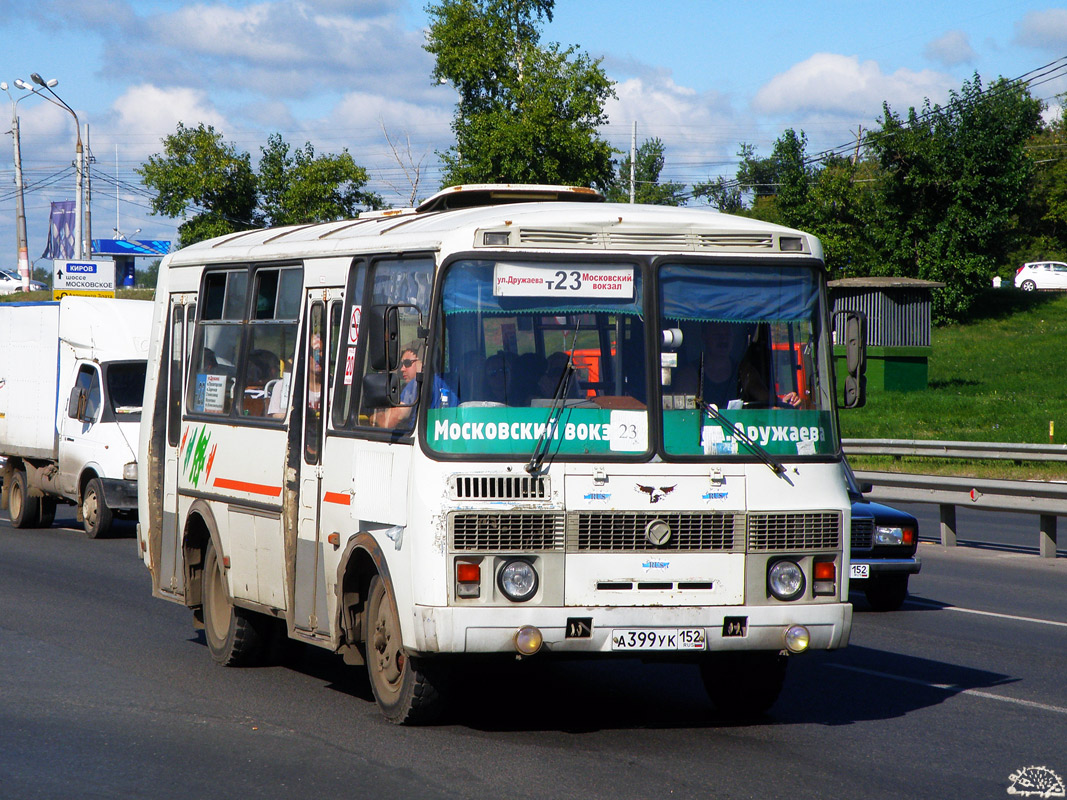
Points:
(887, 593)
(404, 693)
(23, 508)
(743, 684)
(47, 512)
(233, 637)
(96, 515)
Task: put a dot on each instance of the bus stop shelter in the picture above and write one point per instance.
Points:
(898, 328)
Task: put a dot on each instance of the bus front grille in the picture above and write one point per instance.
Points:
(779, 532)
(498, 487)
(508, 531)
(619, 530)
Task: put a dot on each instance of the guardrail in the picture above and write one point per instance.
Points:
(1046, 499)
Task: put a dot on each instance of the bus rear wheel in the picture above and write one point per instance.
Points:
(24, 510)
(744, 684)
(233, 637)
(400, 684)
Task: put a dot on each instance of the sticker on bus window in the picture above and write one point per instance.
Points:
(561, 281)
(214, 393)
(353, 327)
(350, 366)
(628, 431)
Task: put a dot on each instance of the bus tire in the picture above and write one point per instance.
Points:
(96, 516)
(401, 687)
(23, 509)
(233, 637)
(886, 593)
(744, 684)
(46, 512)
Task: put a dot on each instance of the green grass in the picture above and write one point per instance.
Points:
(37, 297)
(1000, 378)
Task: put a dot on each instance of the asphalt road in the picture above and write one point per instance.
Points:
(106, 692)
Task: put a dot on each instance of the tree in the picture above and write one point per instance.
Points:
(308, 188)
(648, 189)
(953, 181)
(1043, 218)
(526, 113)
(199, 172)
(201, 175)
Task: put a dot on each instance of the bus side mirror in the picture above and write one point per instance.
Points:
(853, 329)
(383, 337)
(381, 390)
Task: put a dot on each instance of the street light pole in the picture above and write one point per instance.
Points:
(20, 202)
(79, 164)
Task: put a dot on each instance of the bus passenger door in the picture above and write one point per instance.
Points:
(180, 319)
(310, 613)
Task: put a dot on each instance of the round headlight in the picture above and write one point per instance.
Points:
(518, 580)
(785, 579)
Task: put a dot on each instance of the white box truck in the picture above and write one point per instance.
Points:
(71, 383)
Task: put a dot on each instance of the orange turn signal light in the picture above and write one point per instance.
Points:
(825, 571)
(468, 573)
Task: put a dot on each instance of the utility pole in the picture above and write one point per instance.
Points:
(87, 247)
(20, 202)
(633, 164)
(859, 141)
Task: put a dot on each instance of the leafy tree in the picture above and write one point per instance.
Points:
(198, 171)
(201, 175)
(647, 168)
(1043, 218)
(308, 188)
(526, 113)
(954, 179)
(724, 194)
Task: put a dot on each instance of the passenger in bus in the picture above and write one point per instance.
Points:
(549, 381)
(263, 366)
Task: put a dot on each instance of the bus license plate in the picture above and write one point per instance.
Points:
(658, 639)
(859, 571)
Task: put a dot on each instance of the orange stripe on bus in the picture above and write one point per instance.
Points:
(251, 488)
(341, 498)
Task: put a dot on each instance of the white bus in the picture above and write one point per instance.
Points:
(515, 420)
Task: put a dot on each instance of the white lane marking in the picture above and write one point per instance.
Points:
(955, 689)
(943, 607)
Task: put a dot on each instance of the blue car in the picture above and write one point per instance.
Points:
(884, 541)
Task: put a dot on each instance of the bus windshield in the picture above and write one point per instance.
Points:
(747, 341)
(541, 352)
(555, 355)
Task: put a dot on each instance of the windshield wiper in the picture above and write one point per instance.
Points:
(533, 466)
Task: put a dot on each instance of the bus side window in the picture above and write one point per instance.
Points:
(405, 283)
(219, 335)
(266, 383)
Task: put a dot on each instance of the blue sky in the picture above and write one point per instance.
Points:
(701, 76)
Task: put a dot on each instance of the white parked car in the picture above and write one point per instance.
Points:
(1041, 275)
(11, 282)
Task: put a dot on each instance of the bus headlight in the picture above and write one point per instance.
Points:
(517, 579)
(129, 471)
(785, 580)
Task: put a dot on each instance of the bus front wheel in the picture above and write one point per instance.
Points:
(743, 683)
(401, 686)
(233, 638)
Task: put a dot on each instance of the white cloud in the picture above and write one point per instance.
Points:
(832, 85)
(950, 50)
(142, 112)
(1043, 30)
